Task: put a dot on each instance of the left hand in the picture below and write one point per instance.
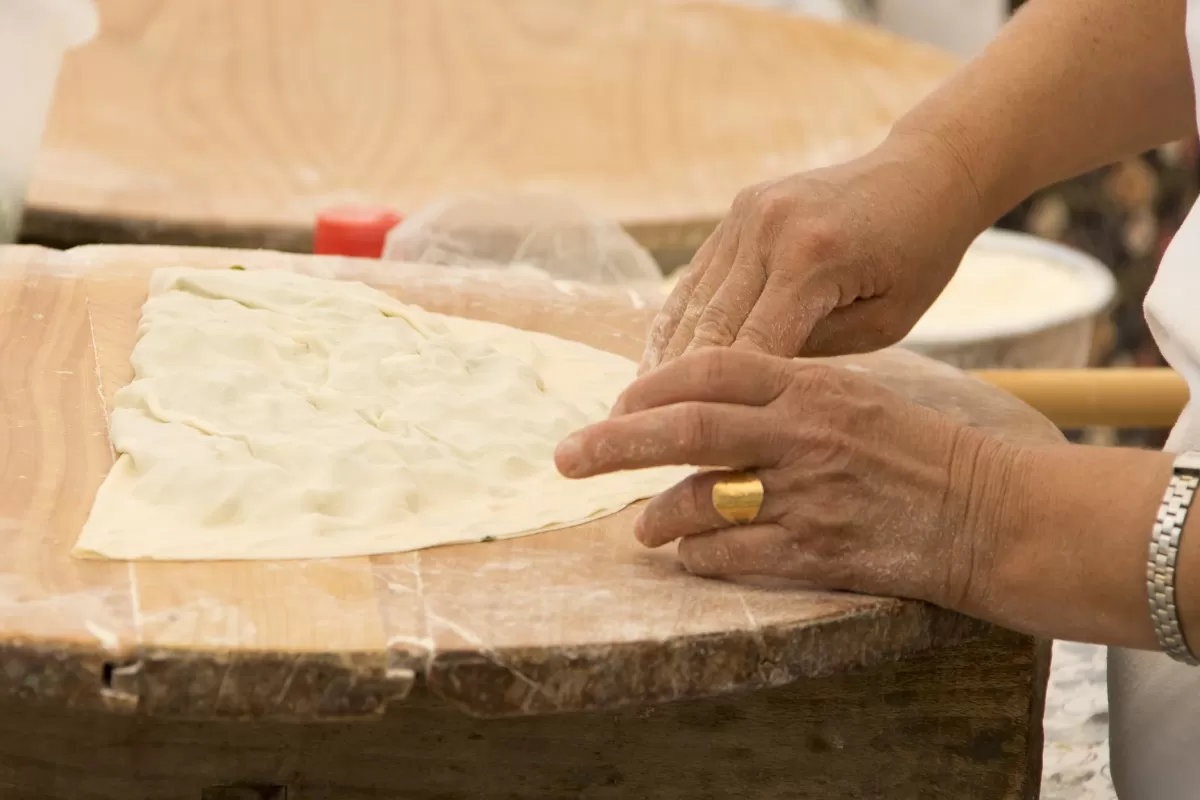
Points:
(864, 490)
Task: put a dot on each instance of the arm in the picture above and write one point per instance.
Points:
(1072, 529)
(1071, 85)
(847, 259)
(1067, 86)
(864, 490)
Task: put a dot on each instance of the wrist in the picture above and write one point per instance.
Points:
(947, 174)
(1072, 535)
(994, 163)
(981, 477)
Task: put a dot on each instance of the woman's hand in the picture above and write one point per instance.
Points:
(867, 491)
(839, 260)
(864, 490)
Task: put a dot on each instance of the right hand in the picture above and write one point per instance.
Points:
(838, 260)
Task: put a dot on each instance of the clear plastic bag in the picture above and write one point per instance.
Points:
(531, 231)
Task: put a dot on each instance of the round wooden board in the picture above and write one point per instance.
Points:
(569, 620)
(223, 122)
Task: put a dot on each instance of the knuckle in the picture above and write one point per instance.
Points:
(764, 208)
(821, 241)
(827, 453)
(747, 198)
(691, 316)
(744, 200)
(834, 524)
(815, 240)
(713, 362)
(775, 204)
(697, 424)
(715, 327)
(767, 220)
(795, 284)
(753, 337)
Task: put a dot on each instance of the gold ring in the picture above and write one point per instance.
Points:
(738, 497)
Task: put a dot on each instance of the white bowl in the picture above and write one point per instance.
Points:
(1040, 313)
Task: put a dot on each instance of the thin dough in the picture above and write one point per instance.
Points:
(277, 416)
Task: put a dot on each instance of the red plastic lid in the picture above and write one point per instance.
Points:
(353, 230)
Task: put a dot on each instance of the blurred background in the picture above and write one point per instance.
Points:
(240, 124)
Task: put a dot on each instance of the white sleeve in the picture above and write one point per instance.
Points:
(1173, 313)
(1154, 702)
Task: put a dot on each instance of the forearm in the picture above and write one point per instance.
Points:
(1071, 531)
(1067, 86)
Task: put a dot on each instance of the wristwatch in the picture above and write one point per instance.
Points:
(1164, 551)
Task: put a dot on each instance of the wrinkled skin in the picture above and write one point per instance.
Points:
(834, 261)
(864, 490)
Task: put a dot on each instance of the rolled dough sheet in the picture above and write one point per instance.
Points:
(275, 416)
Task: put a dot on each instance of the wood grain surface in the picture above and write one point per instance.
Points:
(958, 723)
(234, 121)
(569, 620)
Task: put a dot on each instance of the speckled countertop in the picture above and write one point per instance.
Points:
(1076, 756)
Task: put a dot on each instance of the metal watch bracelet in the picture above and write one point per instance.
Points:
(1164, 553)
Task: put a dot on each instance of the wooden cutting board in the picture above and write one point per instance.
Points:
(570, 620)
(235, 121)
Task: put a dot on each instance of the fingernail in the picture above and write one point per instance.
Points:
(639, 528)
(567, 454)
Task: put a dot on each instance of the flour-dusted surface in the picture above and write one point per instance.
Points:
(275, 416)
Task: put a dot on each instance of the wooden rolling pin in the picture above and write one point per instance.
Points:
(1109, 398)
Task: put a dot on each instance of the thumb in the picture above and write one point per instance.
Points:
(785, 315)
(864, 326)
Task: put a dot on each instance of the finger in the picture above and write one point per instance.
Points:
(786, 312)
(700, 434)
(720, 322)
(710, 376)
(687, 509)
(718, 270)
(667, 320)
(864, 326)
(742, 550)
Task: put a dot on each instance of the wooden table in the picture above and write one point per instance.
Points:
(233, 123)
(539, 667)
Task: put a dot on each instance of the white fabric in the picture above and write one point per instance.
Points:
(1155, 702)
